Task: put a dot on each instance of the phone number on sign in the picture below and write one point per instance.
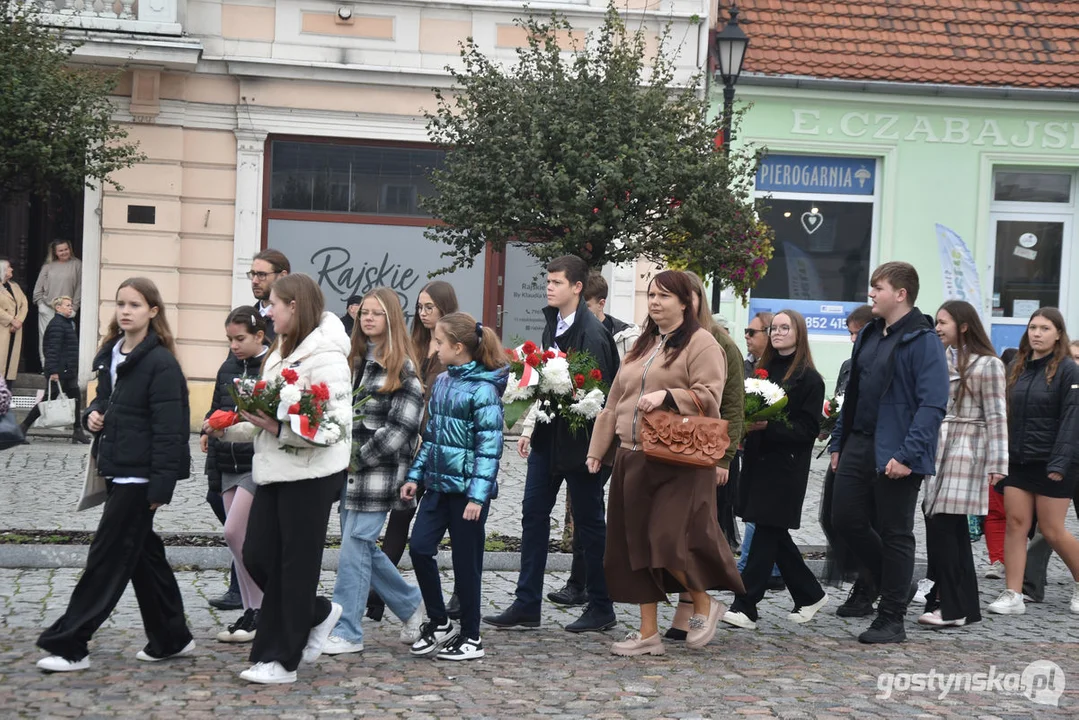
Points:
(826, 324)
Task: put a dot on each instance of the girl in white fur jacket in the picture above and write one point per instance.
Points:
(298, 483)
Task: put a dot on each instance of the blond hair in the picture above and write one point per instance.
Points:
(396, 347)
(56, 302)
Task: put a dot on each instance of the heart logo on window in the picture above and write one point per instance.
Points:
(812, 222)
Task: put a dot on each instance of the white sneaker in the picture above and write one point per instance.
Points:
(410, 633)
(434, 637)
(1009, 603)
(1075, 599)
(995, 571)
(805, 614)
(317, 637)
(268, 673)
(462, 649)
(738, 619)
(147, 657)
(55, 663)
(936, 619)
(339, 646)
(924, 586)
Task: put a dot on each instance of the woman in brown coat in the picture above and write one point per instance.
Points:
(662, 534)
(13, 308)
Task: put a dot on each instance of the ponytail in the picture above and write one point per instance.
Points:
(481, 342)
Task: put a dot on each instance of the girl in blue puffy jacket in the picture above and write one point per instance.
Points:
(458, 467)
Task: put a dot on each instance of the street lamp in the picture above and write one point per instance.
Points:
(730, 47)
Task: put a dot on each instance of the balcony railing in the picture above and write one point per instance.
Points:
(153, 17)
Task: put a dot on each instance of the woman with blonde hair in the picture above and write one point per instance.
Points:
(384, 439)
(141, 420)
(13, 309)
(674, 364)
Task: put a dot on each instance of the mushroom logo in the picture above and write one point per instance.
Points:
(862, 174)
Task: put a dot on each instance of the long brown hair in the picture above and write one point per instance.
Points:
(481, 342)
(159, 323)
(310, 304)
(395, 348)
(1060, 352)
(445, 299)
(678, 284)
(803, 358)
(970, 344)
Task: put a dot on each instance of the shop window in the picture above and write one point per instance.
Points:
(356, 179)
(1026, 186)
(822, 210)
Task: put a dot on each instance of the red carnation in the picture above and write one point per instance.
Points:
(761, 373)
(290, 376)
(596, 374)
(259, 387)
(549, 355)
(221, 419)
(294, 409)
(529, 347)
(534, 360)
(321, 392)
(578, 380)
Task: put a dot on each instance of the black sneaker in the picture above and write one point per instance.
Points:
(676, 634)
(884, 630)
(453, 609)
(433, 637)
(462, 649)
(229, 601)
(592, 620)
(512, 617)
(859, 602)
(776, 584)
(568, 596)
(243, 630)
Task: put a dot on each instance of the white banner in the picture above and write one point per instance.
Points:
(960, 273)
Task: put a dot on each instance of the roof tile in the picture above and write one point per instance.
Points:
(952, 42)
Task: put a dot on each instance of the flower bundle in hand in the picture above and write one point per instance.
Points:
(559, 385)
(765, 400)
(830, 414)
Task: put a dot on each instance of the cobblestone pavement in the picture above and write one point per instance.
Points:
(783, 670)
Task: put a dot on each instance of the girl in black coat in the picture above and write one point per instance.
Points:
(775, 475)
(230, 462)
(141, 420)
(60, 345)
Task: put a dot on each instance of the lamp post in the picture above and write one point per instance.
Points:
(730, 47)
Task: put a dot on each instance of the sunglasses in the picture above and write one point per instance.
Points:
(750, 332)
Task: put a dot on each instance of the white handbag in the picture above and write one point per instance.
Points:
(56, 413)
(94, 488)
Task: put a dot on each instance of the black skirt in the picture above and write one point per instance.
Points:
(1034, 478)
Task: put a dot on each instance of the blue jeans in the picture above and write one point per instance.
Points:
(747, 540)
(438, 513)
(589, 522)
(363, 566)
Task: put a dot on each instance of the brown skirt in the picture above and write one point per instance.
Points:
(663, 517)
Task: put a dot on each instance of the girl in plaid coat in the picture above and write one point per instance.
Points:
(384, 437)
(973, 453)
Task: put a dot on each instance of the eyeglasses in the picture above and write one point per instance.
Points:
(251, 275)
(372, 313)
(779, 329)
(425, 309)
(750, 332)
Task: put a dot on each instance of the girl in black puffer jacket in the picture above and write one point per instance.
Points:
(1043, 424)
(229, 463)
(141, 420)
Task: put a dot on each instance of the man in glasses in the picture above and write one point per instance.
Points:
(352, 309)
(756, 340)
(266, 267)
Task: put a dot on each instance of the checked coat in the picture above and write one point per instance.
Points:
(384, 439)
(973, 441)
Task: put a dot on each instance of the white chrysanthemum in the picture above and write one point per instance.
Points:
(332, 431)
(838, 403)
(590, 404)
(513, 392)
(555, 378)
(290, 394)
(766, 389)
(543, 417)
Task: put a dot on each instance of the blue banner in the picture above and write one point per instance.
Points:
(817, 175)
(822, 317)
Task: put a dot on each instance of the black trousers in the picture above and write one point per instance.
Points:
(439, 512)
(839, 562)
(774, 546)
(951, 568)
(71, 389)
(885, 552)
(125, 548)
(286, 534)
(726, 500)
(578, 571)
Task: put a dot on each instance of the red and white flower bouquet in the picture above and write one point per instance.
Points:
(556, 384)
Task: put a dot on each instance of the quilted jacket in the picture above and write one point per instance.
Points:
(1043, 417)
(462, 442)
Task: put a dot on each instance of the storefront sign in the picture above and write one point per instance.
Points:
(816, 175)
(894, 127)
(352, 258)
(525, 297)
(822, 318)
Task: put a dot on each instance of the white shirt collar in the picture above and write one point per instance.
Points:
(566, 322)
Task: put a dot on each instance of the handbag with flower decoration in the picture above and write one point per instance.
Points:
(695, 441)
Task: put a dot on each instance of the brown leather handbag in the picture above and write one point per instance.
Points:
(694, 441)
